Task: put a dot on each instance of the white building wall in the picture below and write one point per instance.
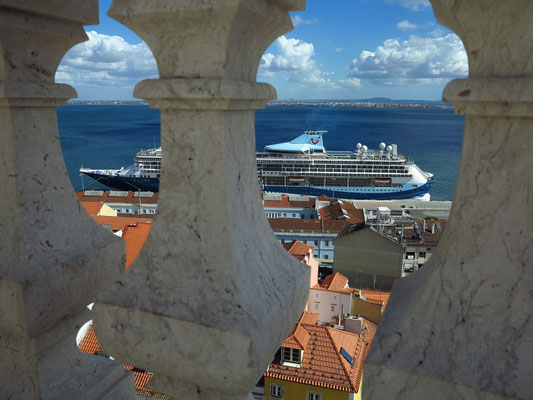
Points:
(321, 301)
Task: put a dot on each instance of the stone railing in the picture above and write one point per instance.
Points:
(212, 294)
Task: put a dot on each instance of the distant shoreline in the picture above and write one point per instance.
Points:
(292, 103)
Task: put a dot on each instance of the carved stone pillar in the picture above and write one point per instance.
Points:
(212, 294)
(462, 327)
(54, 258)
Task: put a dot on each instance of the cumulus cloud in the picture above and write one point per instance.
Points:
(406, 25)
(294, 57)
(416, 5)
(298, 20)
(106, 61)
(414, 61)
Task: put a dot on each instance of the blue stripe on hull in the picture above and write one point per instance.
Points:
(127, 183)
(356, 195)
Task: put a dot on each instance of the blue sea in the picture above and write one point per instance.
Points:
(109, 136)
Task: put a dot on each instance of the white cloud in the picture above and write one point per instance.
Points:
(339, 50)
(405, 25)
(105, 61)
(295, 58)
(416, 5)
(352, 83)
(414, 61)
(298, 20)
(437, 32)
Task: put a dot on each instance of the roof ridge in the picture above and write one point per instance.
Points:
(339, 356)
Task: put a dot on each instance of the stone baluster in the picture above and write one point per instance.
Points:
(462, 327)
(212, 294)
(54, 258)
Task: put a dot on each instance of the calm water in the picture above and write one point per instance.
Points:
(109, 136)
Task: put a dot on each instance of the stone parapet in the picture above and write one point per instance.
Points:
(211, 275)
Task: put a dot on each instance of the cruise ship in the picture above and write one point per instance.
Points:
(303, 166)
(142, 175)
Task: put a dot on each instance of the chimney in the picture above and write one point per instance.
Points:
(424, 226)
(433, 227)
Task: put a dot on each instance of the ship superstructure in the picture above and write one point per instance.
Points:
(143, 174)
(303, 166)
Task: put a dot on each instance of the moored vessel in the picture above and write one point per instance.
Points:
(303, 166)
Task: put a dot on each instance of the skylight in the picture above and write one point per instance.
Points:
(346, 356)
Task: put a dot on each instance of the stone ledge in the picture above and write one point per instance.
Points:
(499, 96)
(210, 94)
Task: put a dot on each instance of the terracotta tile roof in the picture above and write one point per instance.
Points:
(131, 197)
(375, 297)
(334, 283)
(297, 339)
(342, 210)
(92, 208)
(298, 249)
(323, 364)
(135, 236)
(309, 318)
(284, 202)
(89, 344)
(119, 223)
(306, 225)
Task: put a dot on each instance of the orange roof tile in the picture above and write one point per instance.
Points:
(89, 344)
(342, 210)
(118, 223)
(309, 318)
(298, 249)
(135, 236)
(323, 365)
(335, 282)
(297, 339)
(131, 197)
(92, 208)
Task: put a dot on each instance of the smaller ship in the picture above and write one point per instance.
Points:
(143, 174)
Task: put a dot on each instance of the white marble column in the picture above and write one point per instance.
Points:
(212, 294)
(462, 327)
(53, 257)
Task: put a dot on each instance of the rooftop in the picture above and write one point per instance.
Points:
(324, 364)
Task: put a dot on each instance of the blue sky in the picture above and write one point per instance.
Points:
(346, 49)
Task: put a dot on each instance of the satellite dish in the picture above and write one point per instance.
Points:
(382, 146)
(365, 149)
(358, 145)
(389, 148)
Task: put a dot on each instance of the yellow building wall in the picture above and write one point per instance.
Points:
(370, 311)
(298, 391)
(107, 211)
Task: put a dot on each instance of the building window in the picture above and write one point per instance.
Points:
(410, 255)
(282, 241)
(276, 390)
(326, 256)
(294, 215)
(327, 243)
(291, 355)
(316, 306)
(422, 254)
(314, 396)
(333, 307)
(316, 242)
